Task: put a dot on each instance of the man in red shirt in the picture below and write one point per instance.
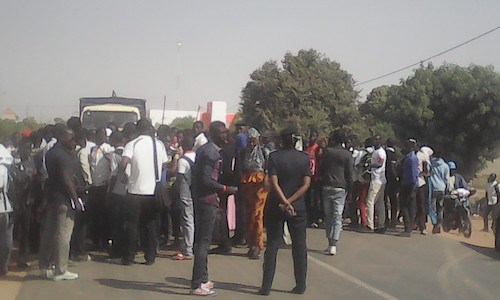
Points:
(313, 195)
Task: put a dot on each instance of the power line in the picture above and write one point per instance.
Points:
(429, 58)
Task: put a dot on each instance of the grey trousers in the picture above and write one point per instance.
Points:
(57, 227)
(187, 225)
(6, 228)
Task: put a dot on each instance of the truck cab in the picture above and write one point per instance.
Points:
(100, 112)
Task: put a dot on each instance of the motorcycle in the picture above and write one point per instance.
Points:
(457, 211)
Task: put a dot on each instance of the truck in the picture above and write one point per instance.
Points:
(97, 112)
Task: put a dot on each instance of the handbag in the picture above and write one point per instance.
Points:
(161, 193)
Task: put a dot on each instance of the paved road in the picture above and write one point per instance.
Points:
(368, 266)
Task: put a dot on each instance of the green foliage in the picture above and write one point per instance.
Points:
(183, 123)
(453, 108)
(7, 127)
(308, 89)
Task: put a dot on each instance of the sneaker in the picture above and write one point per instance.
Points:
(331, 250)
(66, 276)
(203, 292)
(423, 232)
(180, 256)
(208, 285)
(380, 230)
(47, 274)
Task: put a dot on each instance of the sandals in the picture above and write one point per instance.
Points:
(180, 256)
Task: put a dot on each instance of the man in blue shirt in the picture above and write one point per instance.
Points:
(409, 184)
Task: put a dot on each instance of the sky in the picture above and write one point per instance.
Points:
(54, 52)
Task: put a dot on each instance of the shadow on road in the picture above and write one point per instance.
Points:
(490, 252)
(144, 286)
(227, 286)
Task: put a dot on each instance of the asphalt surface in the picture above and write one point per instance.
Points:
(368, 266)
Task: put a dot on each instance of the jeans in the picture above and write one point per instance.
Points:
(437, 202)
(274, 220)
(57, 228)
(187, 225)
(391, 200)
(6, 229)
(408, 204)
(333, 202)
(375, 203)
(204, 221)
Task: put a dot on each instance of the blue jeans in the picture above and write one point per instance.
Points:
(333, 201)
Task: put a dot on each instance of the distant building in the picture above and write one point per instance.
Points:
(216, 111)
(9, 114)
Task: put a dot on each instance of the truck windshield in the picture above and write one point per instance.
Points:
(98, 119)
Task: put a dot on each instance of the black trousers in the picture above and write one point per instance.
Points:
(314, 202)
(139, 220)
(274, 221)
(79, 235)
(408, 204)
(204, 221)
(222, 227)
(241, 217)
(115, 206)
(22, 227)
(391, 199)
(98, 224)
(422, 207)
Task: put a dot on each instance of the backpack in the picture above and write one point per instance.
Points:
(18, 187)
(175, 192)
(363, 168)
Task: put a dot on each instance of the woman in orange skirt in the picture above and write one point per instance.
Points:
(254, 190)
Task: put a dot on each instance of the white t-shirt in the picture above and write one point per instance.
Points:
(492, 193)
(199, 141)
(378, 158)
(183, 165)
(142, 179)
(100, 166)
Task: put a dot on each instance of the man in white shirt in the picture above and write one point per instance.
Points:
(375, 198)
(200, 138)
(492, 194)
(100, 169)
(142, 208)
(6, 212)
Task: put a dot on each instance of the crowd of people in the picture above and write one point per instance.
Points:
(113, 190)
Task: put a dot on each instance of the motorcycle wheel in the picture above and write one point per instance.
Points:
(467, 227)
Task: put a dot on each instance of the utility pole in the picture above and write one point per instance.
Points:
(163, 111)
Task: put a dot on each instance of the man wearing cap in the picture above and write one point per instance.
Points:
(438, 185)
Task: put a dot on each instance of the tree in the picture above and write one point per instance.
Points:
(453, 108)
(7, 127)
(308, 89)
(183, 122)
